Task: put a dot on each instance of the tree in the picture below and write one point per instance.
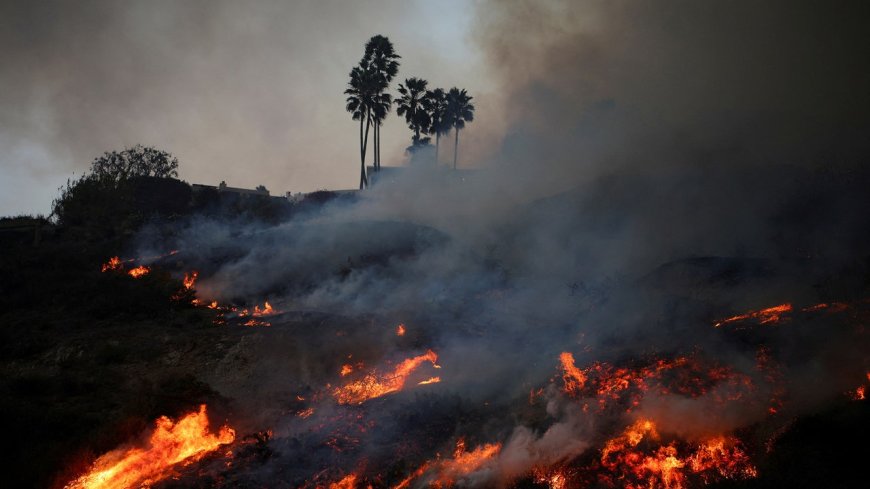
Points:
(459, 111)
(138, 161)
(438, 124)
(382, 57)
(362, 91)
(413, 105)
(120, 191)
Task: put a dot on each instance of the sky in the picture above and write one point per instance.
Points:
(566, 91)
(249, 93)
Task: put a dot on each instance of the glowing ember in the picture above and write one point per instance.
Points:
(376, 385)
(256, 322)
(553, 480)
(139, 271)
(305, 413)
(400, 330)
(346, 369)
(763, 316)
(190, 279)
(170, 444)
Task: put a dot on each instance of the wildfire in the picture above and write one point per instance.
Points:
(170, 443)
(764, 316)
(374, 385)
(605, 383)
(400, 330)
(431, 380)
(446, 473)
(637, 459)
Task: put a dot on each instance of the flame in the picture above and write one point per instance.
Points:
(573, 377)
(190, 279)
(256, 322)
(446, 473)
(114, 263)
(348, 482)
(637, 460)
(346, 369)
(169, 444)
(139, 271)
(374, 385)
(764, 316)
(400, 330)
(430, 380)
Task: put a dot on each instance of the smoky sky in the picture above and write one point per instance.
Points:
(248, 93)
(566, 91)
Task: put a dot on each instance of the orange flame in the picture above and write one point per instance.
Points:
(400, 330)
(663, 466)
(139, 271)
(114, 263)
(169, 444)
(574, 378)
(348, 482)
(446, 473)
(190, 279)
(430, 380)
(764, 316)
(374, 385)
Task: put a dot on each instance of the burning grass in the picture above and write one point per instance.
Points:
(171, 443)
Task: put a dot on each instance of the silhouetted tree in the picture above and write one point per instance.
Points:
(121, 189)
(459, 111)
(362, 91)
(438, 124)
(138, 161)
(413, 105)
(382, 57)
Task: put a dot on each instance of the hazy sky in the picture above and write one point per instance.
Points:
(565, 90)
(247, 92)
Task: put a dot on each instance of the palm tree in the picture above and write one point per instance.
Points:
(459, 111)
(380, 54)
(438, 124)
(412, 104)
(361, 95)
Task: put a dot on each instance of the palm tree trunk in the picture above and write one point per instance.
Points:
(437, 137)
(455, 146)
(378, 146)
(363, 179)
(362, 175)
